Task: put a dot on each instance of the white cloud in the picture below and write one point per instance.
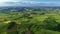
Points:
(9, 0)
(30, 3)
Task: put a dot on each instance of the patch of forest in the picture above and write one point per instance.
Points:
(30, 20)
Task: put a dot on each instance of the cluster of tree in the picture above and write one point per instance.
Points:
(22, 9)
(27, 23)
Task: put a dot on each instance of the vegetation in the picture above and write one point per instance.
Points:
(30, 20)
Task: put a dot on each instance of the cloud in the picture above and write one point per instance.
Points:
(30, 3)
(10, 0)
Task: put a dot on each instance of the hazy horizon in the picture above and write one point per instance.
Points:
(29, 2)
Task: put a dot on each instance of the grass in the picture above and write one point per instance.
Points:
(5, 18)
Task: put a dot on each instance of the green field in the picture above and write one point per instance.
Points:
(28, 21)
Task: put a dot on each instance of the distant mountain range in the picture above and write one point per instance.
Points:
(29, 4)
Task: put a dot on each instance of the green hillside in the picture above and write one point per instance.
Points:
(31, 21)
